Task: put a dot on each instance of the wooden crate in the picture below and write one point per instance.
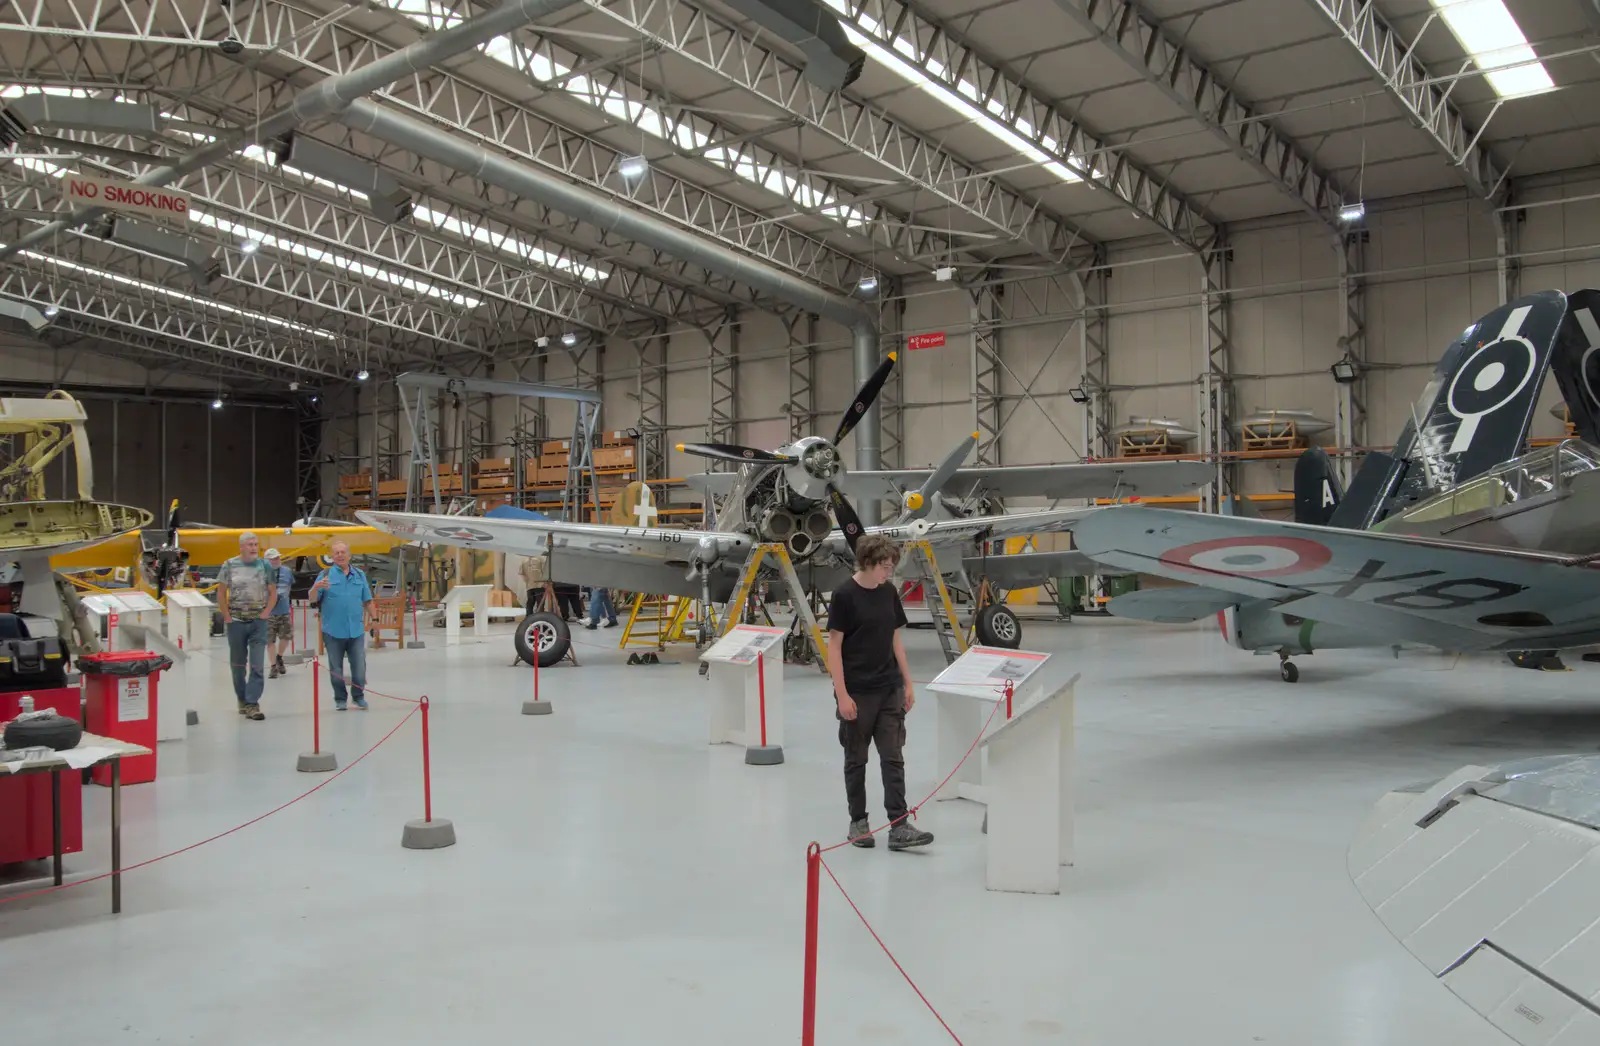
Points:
(613, 457)
(1146, 443)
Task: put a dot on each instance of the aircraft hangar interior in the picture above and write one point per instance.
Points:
(842, 521)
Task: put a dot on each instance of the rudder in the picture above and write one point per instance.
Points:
(1317, 490)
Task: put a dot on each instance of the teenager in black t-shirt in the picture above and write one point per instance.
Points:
(872, 686)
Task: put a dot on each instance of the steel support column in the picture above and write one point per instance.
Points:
(987, 318)
(722, 373)
(1216, 388)
(309, 427)
(1350, 410)
(652, 393)
(1507, 244)
(1094, 365)
(891, 401)
(802, 403)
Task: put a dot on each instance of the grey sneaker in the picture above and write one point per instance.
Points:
(861, 834)
(253, 712)
(904, 835)
(274, 672)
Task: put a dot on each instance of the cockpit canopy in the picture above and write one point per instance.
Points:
(1539, 473)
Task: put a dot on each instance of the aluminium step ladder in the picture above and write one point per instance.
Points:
(924, 568)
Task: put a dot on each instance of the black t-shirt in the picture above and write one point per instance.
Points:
(867, 617)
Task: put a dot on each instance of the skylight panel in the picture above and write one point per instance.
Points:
(961, 100)
(506, 243)
(543, 69)
(1488, 32)
(209, 303)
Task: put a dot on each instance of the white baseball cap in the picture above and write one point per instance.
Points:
(273, 553)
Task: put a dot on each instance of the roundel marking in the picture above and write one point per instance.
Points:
(462, 533)
(1249, 557)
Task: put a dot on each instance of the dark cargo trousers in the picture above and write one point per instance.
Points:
(880, 720)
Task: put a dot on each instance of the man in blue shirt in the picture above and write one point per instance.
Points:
(344, 596)
(280, 622)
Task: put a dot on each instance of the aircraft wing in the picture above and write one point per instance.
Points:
(1095, 479)
(638, 559)
(1490, 877)
(1445, 594)
(1018, 570)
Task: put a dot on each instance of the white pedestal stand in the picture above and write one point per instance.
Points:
(967, 692)
(746, 680)
(173, 689)
(478, 596)
(188, 616)
(1029, 795)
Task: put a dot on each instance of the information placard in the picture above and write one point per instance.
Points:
(743, 644)
(983, 670)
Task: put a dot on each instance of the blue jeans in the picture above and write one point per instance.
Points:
(340, 650)
(601, 597)
(247, 640)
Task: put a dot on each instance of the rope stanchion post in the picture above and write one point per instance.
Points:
(416, 636)
(537, 706)
(808, 1004)
(316, 761)
(428, 832)
(762, 754)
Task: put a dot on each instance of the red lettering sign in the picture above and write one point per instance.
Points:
(925, 341)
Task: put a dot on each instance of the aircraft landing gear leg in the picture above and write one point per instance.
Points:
(1287, 670)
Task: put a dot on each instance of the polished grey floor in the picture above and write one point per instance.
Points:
(619, 880)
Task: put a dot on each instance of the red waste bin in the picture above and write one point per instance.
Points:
(122, 704)
(25, 830)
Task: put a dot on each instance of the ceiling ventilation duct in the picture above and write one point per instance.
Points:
(16, 310)
(832, 61)
(191, 254)
(387, 200)
(32, 113)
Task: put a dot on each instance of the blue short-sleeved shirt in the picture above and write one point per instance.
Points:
(285, 580)
(344, 602)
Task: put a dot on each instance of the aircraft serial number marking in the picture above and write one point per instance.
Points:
(1444, 594)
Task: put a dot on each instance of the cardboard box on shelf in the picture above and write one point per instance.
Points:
(613, 457)
(552, 475)
(391, 488)
(555, 446)
(493, 465)
(351, 480)
(493, 482)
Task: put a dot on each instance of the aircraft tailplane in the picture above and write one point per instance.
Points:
(1317, 490)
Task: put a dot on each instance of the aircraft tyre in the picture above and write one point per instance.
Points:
(1289, 672)
(998, 626)
(546, 630)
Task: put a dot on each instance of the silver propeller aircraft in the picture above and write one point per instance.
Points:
(1442, 543)
(794, 496)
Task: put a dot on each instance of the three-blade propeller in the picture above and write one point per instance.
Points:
(843, 511)
(171, 542)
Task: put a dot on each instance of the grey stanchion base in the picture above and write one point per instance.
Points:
(191, 717)
(297, 657)
(764, 755)
(536, 708)
(416, 644)
(428, 835)
(317, 762)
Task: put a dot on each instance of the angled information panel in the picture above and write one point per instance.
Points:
(982, 672)
(743, 644)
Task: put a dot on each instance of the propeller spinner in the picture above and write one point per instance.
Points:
(815, 463)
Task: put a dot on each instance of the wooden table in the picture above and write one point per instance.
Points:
(54, 764)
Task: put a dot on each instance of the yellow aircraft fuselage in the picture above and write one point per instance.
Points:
(211, 547)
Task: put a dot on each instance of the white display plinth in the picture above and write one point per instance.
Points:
(188, 616)
(478, 596)
(967, 691)
(117, 609)
(1028, 789)
(174, 696)
(745, 672)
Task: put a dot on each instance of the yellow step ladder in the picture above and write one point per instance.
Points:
(797, 592)
(654, 621)
(923, 566)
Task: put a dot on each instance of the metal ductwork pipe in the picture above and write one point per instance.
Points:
(609, 215)
(832, 61)
(325, 98)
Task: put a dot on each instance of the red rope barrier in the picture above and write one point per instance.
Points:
(219, 835)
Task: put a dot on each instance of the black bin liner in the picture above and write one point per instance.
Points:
(91, 665)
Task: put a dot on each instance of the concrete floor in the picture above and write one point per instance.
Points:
(618, 880)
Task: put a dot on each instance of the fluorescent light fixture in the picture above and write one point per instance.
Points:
(1353, 212)
(216, 404)
(964, 99)
(362, 374)
(1488, 32)
(204, 303)
(633, 167)
(569, 339)
(52, 310)
(249, 246)
(867, 284)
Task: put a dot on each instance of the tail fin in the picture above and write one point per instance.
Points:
(1576, 362)
(1317, 490)
(1475, 411)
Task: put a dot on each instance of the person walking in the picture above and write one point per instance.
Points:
(345, 598)
(872, 688)
(246, 595)
(534, 576)
(600, 599)
(280, 622)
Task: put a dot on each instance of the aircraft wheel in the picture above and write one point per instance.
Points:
(998, 626)
(1289, 672)
(545, 632)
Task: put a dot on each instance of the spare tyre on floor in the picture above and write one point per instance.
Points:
(544, 632)
(998, 626)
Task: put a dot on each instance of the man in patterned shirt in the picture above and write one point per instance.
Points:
(246, 594)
